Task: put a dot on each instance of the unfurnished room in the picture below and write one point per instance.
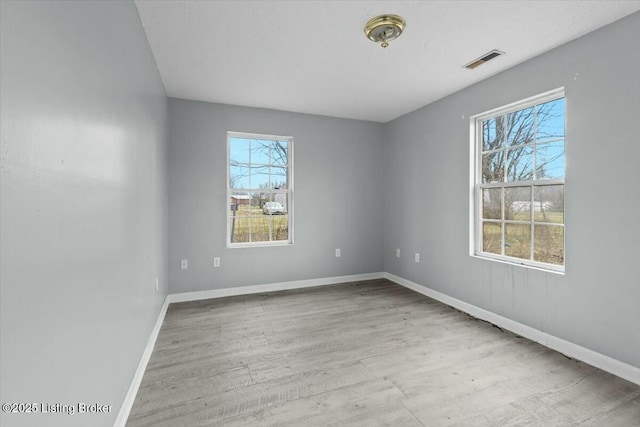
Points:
(319, 213)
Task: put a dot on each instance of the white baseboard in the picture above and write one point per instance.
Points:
(606, 363)
(127, 404)
(272, 287)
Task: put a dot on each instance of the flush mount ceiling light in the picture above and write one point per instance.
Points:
(384, 28)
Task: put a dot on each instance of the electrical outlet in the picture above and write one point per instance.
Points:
(417, 257)
(216, 261)
(398, 253)
(157, 285)
(337, 253)
(184, 264)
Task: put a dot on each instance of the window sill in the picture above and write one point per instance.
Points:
(258, 245)
(518, 264)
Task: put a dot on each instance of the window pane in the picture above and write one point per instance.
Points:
(280, 227)
(517, 240)
(493, 167)
(282, 200)
(278, 177)
(550, 118)
(517, 203)
(520, 127)
(548, 203)
(492, 134)
(550, 160)
(260, 152)
(520, 164)
(259, 177)
(239, 229)
(260, 229)
(279, 152)
(240, 204)
(238, 177)
(261, 199)
(492, 203)
(257, 200)
(238, 150)
(491, 237)
(548, 244)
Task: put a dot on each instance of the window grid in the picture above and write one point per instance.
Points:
(261, 225)
(482, 125)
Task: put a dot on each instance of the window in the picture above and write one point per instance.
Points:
(519, 170)
(260, 190)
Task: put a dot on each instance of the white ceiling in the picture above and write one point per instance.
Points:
(313, 56)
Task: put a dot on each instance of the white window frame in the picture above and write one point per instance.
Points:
(289, 191)
(476, 186)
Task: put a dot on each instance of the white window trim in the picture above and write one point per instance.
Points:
(290, 207)
(475, 167)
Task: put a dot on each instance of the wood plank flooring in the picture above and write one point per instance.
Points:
(363, 354)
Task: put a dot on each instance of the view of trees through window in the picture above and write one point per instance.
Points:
(259, 188)
(521, 183)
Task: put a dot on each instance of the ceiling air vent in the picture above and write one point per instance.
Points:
(484, 58)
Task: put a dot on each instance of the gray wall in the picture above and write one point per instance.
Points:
(338, 198)
(596, 304)
(83, 204)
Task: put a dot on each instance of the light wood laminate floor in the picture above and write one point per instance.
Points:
(363, 354)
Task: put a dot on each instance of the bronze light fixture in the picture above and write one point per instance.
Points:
(384, 28)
